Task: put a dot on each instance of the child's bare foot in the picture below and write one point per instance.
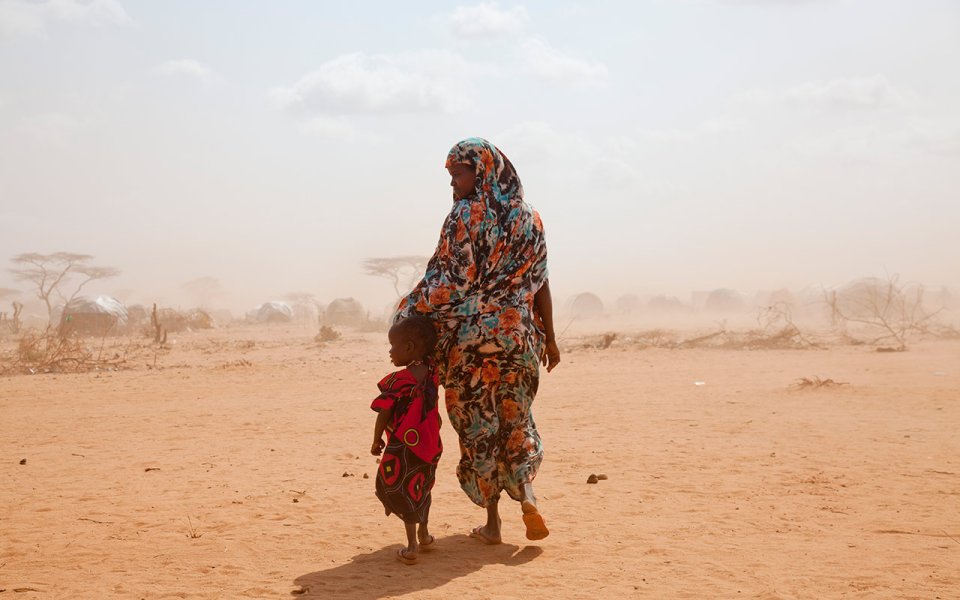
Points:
(426, 540)
(408, 556)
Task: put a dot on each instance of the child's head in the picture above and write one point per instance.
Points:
(412, 339)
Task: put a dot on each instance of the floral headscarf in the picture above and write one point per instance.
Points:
(491, 255)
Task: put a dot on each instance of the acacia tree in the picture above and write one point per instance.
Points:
(407, 269)
(49, 273)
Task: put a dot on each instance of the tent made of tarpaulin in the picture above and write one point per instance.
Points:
(99, 314)
(274, 312)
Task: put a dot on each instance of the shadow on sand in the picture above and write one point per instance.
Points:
(377, 574)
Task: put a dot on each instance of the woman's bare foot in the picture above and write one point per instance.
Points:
(489, 533)
(484, 535)
(536, 526)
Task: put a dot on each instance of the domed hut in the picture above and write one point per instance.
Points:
(274, 312)
(627, 304)
(666, 304)
(100, 315)
(344, 311)
(725, 301)
(586, 306)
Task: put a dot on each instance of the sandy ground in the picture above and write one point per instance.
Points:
(237, 471)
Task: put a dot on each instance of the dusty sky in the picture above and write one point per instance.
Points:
(670, 145)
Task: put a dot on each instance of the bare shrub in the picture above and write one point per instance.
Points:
(327, 334)
(169, 320)
(804, 383)
(886, 311)
(49, 351)
(12, 323)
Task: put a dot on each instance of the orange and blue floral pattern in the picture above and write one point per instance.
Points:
(479, 288)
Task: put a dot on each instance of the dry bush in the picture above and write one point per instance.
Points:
(778, 332)
(606, 340)
(49, 351)
(885, 311)
(173, 320)
(327, 334)
(13, 322)
(805, 383)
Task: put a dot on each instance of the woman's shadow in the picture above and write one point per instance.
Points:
(377, 574)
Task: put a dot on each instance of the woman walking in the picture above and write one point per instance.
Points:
(487, 290)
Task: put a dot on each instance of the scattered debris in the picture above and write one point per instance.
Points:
(592, 478)
(148, 469)
(241, 362)
(23, 461)
(193, 532)
(815, 382)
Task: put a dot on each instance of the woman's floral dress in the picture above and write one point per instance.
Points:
(479, 288)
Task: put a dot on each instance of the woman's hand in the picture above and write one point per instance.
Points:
(551, 355)
(377, 447)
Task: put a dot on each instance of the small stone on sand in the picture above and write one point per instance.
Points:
(23, 461)
(601, 477)
(592, 478)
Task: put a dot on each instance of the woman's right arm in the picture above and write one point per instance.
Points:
(543, 306)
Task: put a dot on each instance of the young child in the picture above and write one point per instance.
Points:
(407, 407)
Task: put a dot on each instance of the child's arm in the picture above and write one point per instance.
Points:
(383, 417)
(543, 307)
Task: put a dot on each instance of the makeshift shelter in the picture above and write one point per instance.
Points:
(724, 301)
(627, 305)
(98, 315)
(666, 304)
(174, 320)
(274, 312)
(344, 311)
(586, 306)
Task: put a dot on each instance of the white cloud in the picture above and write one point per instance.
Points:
(32, 17)
(548, 63)
(487, 20)
(357, 83)
(861, 92)
(852, 93)
(188, 67)
(942, 138)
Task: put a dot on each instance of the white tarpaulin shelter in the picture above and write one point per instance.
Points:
(93, 314)
(100, 305)
(272, 312)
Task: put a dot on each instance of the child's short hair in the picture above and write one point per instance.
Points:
(420, 329)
